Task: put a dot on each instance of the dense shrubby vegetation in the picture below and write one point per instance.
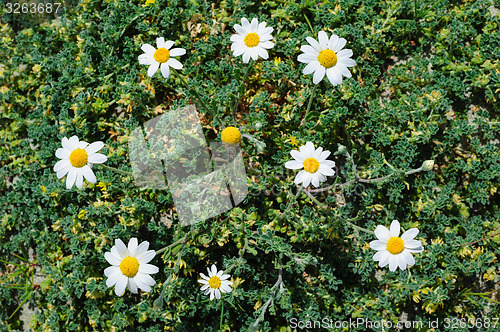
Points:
(425, 87)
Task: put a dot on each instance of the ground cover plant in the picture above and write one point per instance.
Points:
(397, 227)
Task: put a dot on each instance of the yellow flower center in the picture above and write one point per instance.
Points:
(252, 39)
(78, 158)
(214, 282)
(231, 135)
(129, 266)
(162, 55)
(327, 58)
(311, 165)
(395, 245)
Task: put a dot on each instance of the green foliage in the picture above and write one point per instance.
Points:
(425, 87)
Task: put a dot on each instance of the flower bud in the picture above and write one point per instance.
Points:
(342, 149)
(428, 165)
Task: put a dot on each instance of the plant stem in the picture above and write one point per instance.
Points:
(116, 170)
(309, 104)
(221, 314)
(235, 107)
(360, 228)
(194, 93)
(299, 192)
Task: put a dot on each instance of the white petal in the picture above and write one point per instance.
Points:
(401, 261)
(148, 268)
(323, 155)
(79, 179)
(61, 164)
(94, 147)
(165, 70)
(319, 74)
(224, 277)
(237, 38)
(311, 67)
(177, 51)
(225, 288)
(309, 150)
(262, 52)
(146, 59)
(115, 253)
(204, 287)
(240, 30)
(110, 270)
(147, 48)
(146, 279)
(71, 178)
(384, 259)
(246, 57)
(309, 50)
(306, 179)
(409, 234)
(297, 155)
(315, 179)
(340, 45)
(62, 172)
(382, 233)
(254, 53)
(325, 170)
(347, 53)
(378, 255)
(113, 278)
(141, 283)
(314, 44)
(307, 58)
(254, 25)
(168, 44)
(204, 276)
(153, 68)
(334, 76)
(323, 39)
(174, 63)
(378, 245)
(395, 228)
(211, 294)
(146, 257)
(120, 286)
(217, 294)
(332, 43)
(97, 158)
(121, 248)
(160, 42)
(410, 260)
(67, 144)
(73, 141)
(393, 263)
(294, 164)
(112, 259)
(63, 153)
(299, 176)
(132, 246)
(213, 267)
(348, 62)
(89, 175)
(132, 285)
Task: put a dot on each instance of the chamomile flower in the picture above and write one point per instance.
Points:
(394, 250)
(161, 57)
(251, 40)
(216, 283)
(316, 166)
(129, 266)
(231, 135)
(326, 56)
(77, 158)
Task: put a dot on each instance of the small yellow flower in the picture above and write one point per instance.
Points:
(231, 135)
(148, 2)
(277, 61)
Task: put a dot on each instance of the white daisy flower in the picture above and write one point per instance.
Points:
(216, 283)
(251, 40)
(394, 250)
(130, 266)
(161, 58)
(77, 158)
(326, 56)
(316, 166)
